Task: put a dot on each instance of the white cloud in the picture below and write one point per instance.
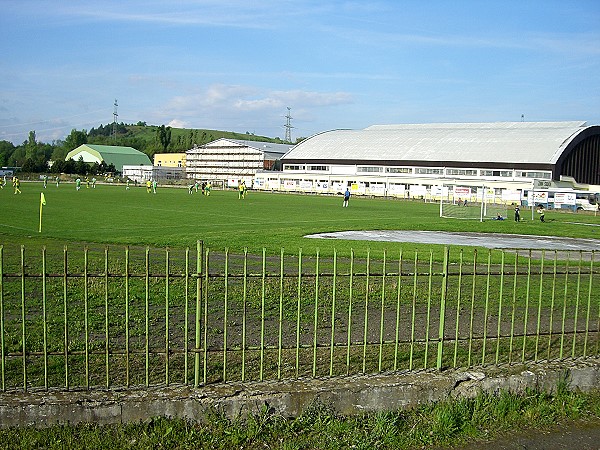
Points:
(232, 99)
(175, 123)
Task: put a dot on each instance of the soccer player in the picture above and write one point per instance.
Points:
(127, 187)
(154, 184)
(208, 188)
(78, 183)
(190, 189)
(17, 185)
(94, 182)
(148, 186)
(45, 181)
(541, 212)
(241, 190)
(57, 180)
(346, 198)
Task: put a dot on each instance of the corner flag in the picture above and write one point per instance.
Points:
(42, 203)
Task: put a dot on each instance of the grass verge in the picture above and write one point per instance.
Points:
(443, 424)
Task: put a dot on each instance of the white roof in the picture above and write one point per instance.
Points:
(265, 147)
(499, 142)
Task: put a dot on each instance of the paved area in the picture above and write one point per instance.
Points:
(487, 240)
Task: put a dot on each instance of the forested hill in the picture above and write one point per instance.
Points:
(34, 156)
(152, 139)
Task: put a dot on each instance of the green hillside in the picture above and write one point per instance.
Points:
(146, 138)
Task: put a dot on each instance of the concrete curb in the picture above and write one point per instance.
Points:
(346, 395)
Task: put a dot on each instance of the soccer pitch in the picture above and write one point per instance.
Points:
(110, 214)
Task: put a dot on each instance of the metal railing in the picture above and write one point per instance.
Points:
(106, 317)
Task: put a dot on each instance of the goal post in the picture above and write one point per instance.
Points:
(472, 206)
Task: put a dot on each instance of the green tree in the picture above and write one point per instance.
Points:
(81, 167)
(6, 150)
(74, 140)
(164, 137)
(18, 157)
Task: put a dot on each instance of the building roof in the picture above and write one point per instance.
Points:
(499, 142)
(271, 150)
(110, 154)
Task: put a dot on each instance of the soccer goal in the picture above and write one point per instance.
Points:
(479, 207)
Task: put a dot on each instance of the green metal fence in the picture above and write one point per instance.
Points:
(113, 317)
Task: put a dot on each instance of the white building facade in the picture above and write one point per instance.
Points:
(434, 160)
(158, 173)
(229, 161)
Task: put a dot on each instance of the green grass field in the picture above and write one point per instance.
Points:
(113, 215)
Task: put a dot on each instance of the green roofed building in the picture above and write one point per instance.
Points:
(117, 156)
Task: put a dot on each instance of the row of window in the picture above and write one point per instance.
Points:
(431, 171)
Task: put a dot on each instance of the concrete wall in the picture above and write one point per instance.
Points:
(348, 395)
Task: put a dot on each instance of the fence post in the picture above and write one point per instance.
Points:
(349, 341)
(262, 313)
(589, 306)
(2, 314)
(280, 334)
(106, 323)
(299, 296)
(428, 324)
(245, 307)
(398, 299)
(458, 299)
(198, 300)
(45, 317)
(382, 317)
(186, 309)
(487, 305)
(147, 310)
(225, 308)
(366, 313)
(167, 343)
(440, 349)
(333, 312)
(23, 334)
(127, 379)
(315, 316)
(66, 316)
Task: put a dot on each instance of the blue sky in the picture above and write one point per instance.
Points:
(237, 65)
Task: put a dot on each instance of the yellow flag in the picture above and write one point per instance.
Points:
(43, 199)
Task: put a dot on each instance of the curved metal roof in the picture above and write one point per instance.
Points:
(498, 142)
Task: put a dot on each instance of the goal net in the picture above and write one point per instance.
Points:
(476, 210)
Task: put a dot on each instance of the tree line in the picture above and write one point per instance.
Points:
(34, 156)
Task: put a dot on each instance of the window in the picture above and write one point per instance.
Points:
(292, 167)
(369, 169)
(318, 168)
(545, 175)
(398, 170)
(429, 171)
(470, 172)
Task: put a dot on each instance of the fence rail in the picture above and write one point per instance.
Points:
(106, 317)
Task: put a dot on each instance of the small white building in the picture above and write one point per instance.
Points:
(158, 173)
